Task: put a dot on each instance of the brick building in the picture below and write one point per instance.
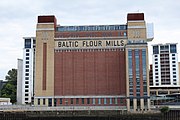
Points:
(93, 65)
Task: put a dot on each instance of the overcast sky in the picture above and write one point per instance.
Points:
(18, 19)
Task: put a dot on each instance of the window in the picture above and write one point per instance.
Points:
(174, 65)
(156, 62)
(38, 101)
(94, 101)
(26, 99)
(173, 48)
(26, 90)
(27, 54)
(121, 101)
(27, 43)
(110, 100)
(27, 70)
(26, 86)
(174, 72)
(71, 100)
(44, 101)
(116, 101)
(174, 76)
(174, 68)
(27, 58)
(26, 94)
(60, 100)
(26, 82)
(173, 61)
(27, 50)
(88, 100)
(156, 59)
(173, 54)
(77, 100)
(27, 74)
(155, 50)
(26, 78)
(27, 66)
(173, 58)
(82, 99)
(105, 102)
(99, 101)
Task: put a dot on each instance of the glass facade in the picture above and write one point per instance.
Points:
(137, 69)
(173, 48)
(155, 50)
(27, 43)
(130, 72)
(91, 28)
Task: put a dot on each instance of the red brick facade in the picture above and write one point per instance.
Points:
(90, 72)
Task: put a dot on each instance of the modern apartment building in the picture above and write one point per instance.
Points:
(165, 69)
(25, 86)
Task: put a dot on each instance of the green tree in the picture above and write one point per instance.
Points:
(10, 88)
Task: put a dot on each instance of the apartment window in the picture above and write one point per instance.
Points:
(26, 99)
(174, 68)
(156, 59)
(156, 69)
(26, 82)
(99, 101)
(173, 54)
(26, 86)
(27, 58)
(27, 74)
(27, 62)
(26, 78)
(173, 58)
(27, 70)
(27, 43)
(156, 62)
(82, 99)
(77, 100)
(155, 50)
(94, 101)
(27, 54)
(156, 66)
(27, 50)
(157, 83)
(155, 55)
(174, 76)
(26, 90)
(27, 66)
(174, 65)
(156, 76)
(173, 61)
(175, 83)
(173, 48)
(174, 80)
(174, 72)
(156, 73)
(26, 94)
